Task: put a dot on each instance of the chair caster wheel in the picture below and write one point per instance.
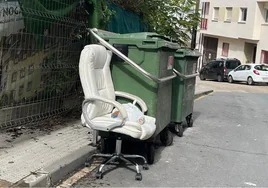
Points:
(138, 177)
(99, 175)
(145, 167)
(87, 164)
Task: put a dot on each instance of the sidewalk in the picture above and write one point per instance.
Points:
(35, 157)
(201, 89)
(40, 157)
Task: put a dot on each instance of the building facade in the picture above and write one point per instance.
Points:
(234, 29)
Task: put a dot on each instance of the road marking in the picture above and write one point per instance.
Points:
(79, 175)
(250, 184)
(199, 98)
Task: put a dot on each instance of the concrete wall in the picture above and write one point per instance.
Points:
(236, 48)
(263, 43)
(235, 28)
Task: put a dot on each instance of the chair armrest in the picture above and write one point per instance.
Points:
(114, 103)
(140, 102)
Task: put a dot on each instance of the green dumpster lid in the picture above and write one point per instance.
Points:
(184, 52)
(142, 40)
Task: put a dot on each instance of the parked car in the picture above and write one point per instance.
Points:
(250, 73)
(218, 69)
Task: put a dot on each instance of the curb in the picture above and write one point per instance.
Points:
(59, 170)
(200, 94)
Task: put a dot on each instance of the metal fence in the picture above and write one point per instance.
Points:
(40, 45)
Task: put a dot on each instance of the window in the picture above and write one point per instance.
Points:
(264, 57)
(266, 15)
(210, 64)
(261, 67)
(21, 89)
(205, 8)
(22, 73)
(228, 15)
(247, 67)
(14, 77)
(30, 69)
(240, 68)
(6, 68)
(5, 85)
(215, 64)
(243, 14)
(225, 49)
(232, 64)
(12, 95)
(216, 13)
(16, 61)
(29, 86)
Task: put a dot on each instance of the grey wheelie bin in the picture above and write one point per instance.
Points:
(183, 91)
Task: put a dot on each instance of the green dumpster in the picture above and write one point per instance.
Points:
(184, 88)
(154, 54)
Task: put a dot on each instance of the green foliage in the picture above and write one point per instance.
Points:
(107, 14)
(173, 18)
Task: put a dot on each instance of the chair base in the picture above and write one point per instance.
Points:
(118, 157)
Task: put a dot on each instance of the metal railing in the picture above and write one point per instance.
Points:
(135, 65)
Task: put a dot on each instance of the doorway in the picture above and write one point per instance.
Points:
(210, 49)
(250, 51)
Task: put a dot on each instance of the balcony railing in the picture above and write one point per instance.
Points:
(204, 24)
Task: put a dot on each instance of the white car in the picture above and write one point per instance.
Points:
(250, 73)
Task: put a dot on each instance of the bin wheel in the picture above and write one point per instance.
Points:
(150, 153)
(179, 129)
(190, 121)
(166, 137)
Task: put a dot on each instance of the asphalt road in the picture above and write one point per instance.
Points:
(228, 146)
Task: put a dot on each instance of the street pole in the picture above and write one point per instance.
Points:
(194, 31)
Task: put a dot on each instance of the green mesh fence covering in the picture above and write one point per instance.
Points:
(40, 46)
(125, 21)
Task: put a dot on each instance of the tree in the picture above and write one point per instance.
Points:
(173, 18)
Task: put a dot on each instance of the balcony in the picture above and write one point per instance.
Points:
(204, 24)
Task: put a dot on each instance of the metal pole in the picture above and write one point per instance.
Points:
(194, 31)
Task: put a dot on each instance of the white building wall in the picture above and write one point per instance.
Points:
(236, 33)
(263, 43)
(236, 48)
(235, 28)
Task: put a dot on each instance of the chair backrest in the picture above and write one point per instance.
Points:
(95, 76)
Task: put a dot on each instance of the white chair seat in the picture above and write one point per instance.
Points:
(133, 129)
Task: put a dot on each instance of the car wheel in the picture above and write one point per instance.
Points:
(202, 77)
(250, 81)
(219, 78)
(230, 79)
